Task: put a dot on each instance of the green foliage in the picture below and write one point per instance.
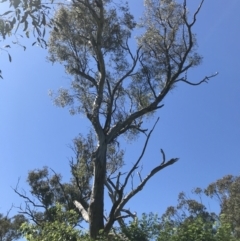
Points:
(5, 28)
(226, 191)
(9, 227)
(61, 229)
(224, 230)
(47, 192)
(145, 228)
(26, 14)
(190, 221)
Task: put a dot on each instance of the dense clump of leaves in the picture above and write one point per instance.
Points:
(9, 227)
(189, 220)
(48, 190)
(61, 229)
(142, 229)
(226, 191)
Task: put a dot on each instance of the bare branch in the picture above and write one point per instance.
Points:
(142, 184)
(139, 159)
(148, 79)
(120, 126)
(10, 209)
(61, 186)
(75, 176)
(114, 91)
(188, 45)
(112, 184)
(108, 186)
(122, 216)
(28, 211)
(136, 127)
(139, 174)
(86, 76)
(133, 215)
(163, 154)
(27, 198)
(196, 12)
(198, 83)
(118, 194)
(81, 209)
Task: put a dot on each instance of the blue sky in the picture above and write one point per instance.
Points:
(200, 125)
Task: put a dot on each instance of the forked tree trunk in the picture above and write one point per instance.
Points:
(96, 207)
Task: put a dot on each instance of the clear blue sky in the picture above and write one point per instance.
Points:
(200, 125)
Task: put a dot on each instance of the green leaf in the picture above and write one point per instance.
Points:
(24, 17)
(25, 25)
(6, 13)
(44, 20)
(13, 22)
(9, 57)
(38, 31)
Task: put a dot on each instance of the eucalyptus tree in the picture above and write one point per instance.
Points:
(48, 191)
(9, 227)
(117, 83)
(226, 191)
(189, 220)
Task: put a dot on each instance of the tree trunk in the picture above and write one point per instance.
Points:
(96, 207)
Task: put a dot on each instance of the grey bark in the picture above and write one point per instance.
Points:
(96, 206)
